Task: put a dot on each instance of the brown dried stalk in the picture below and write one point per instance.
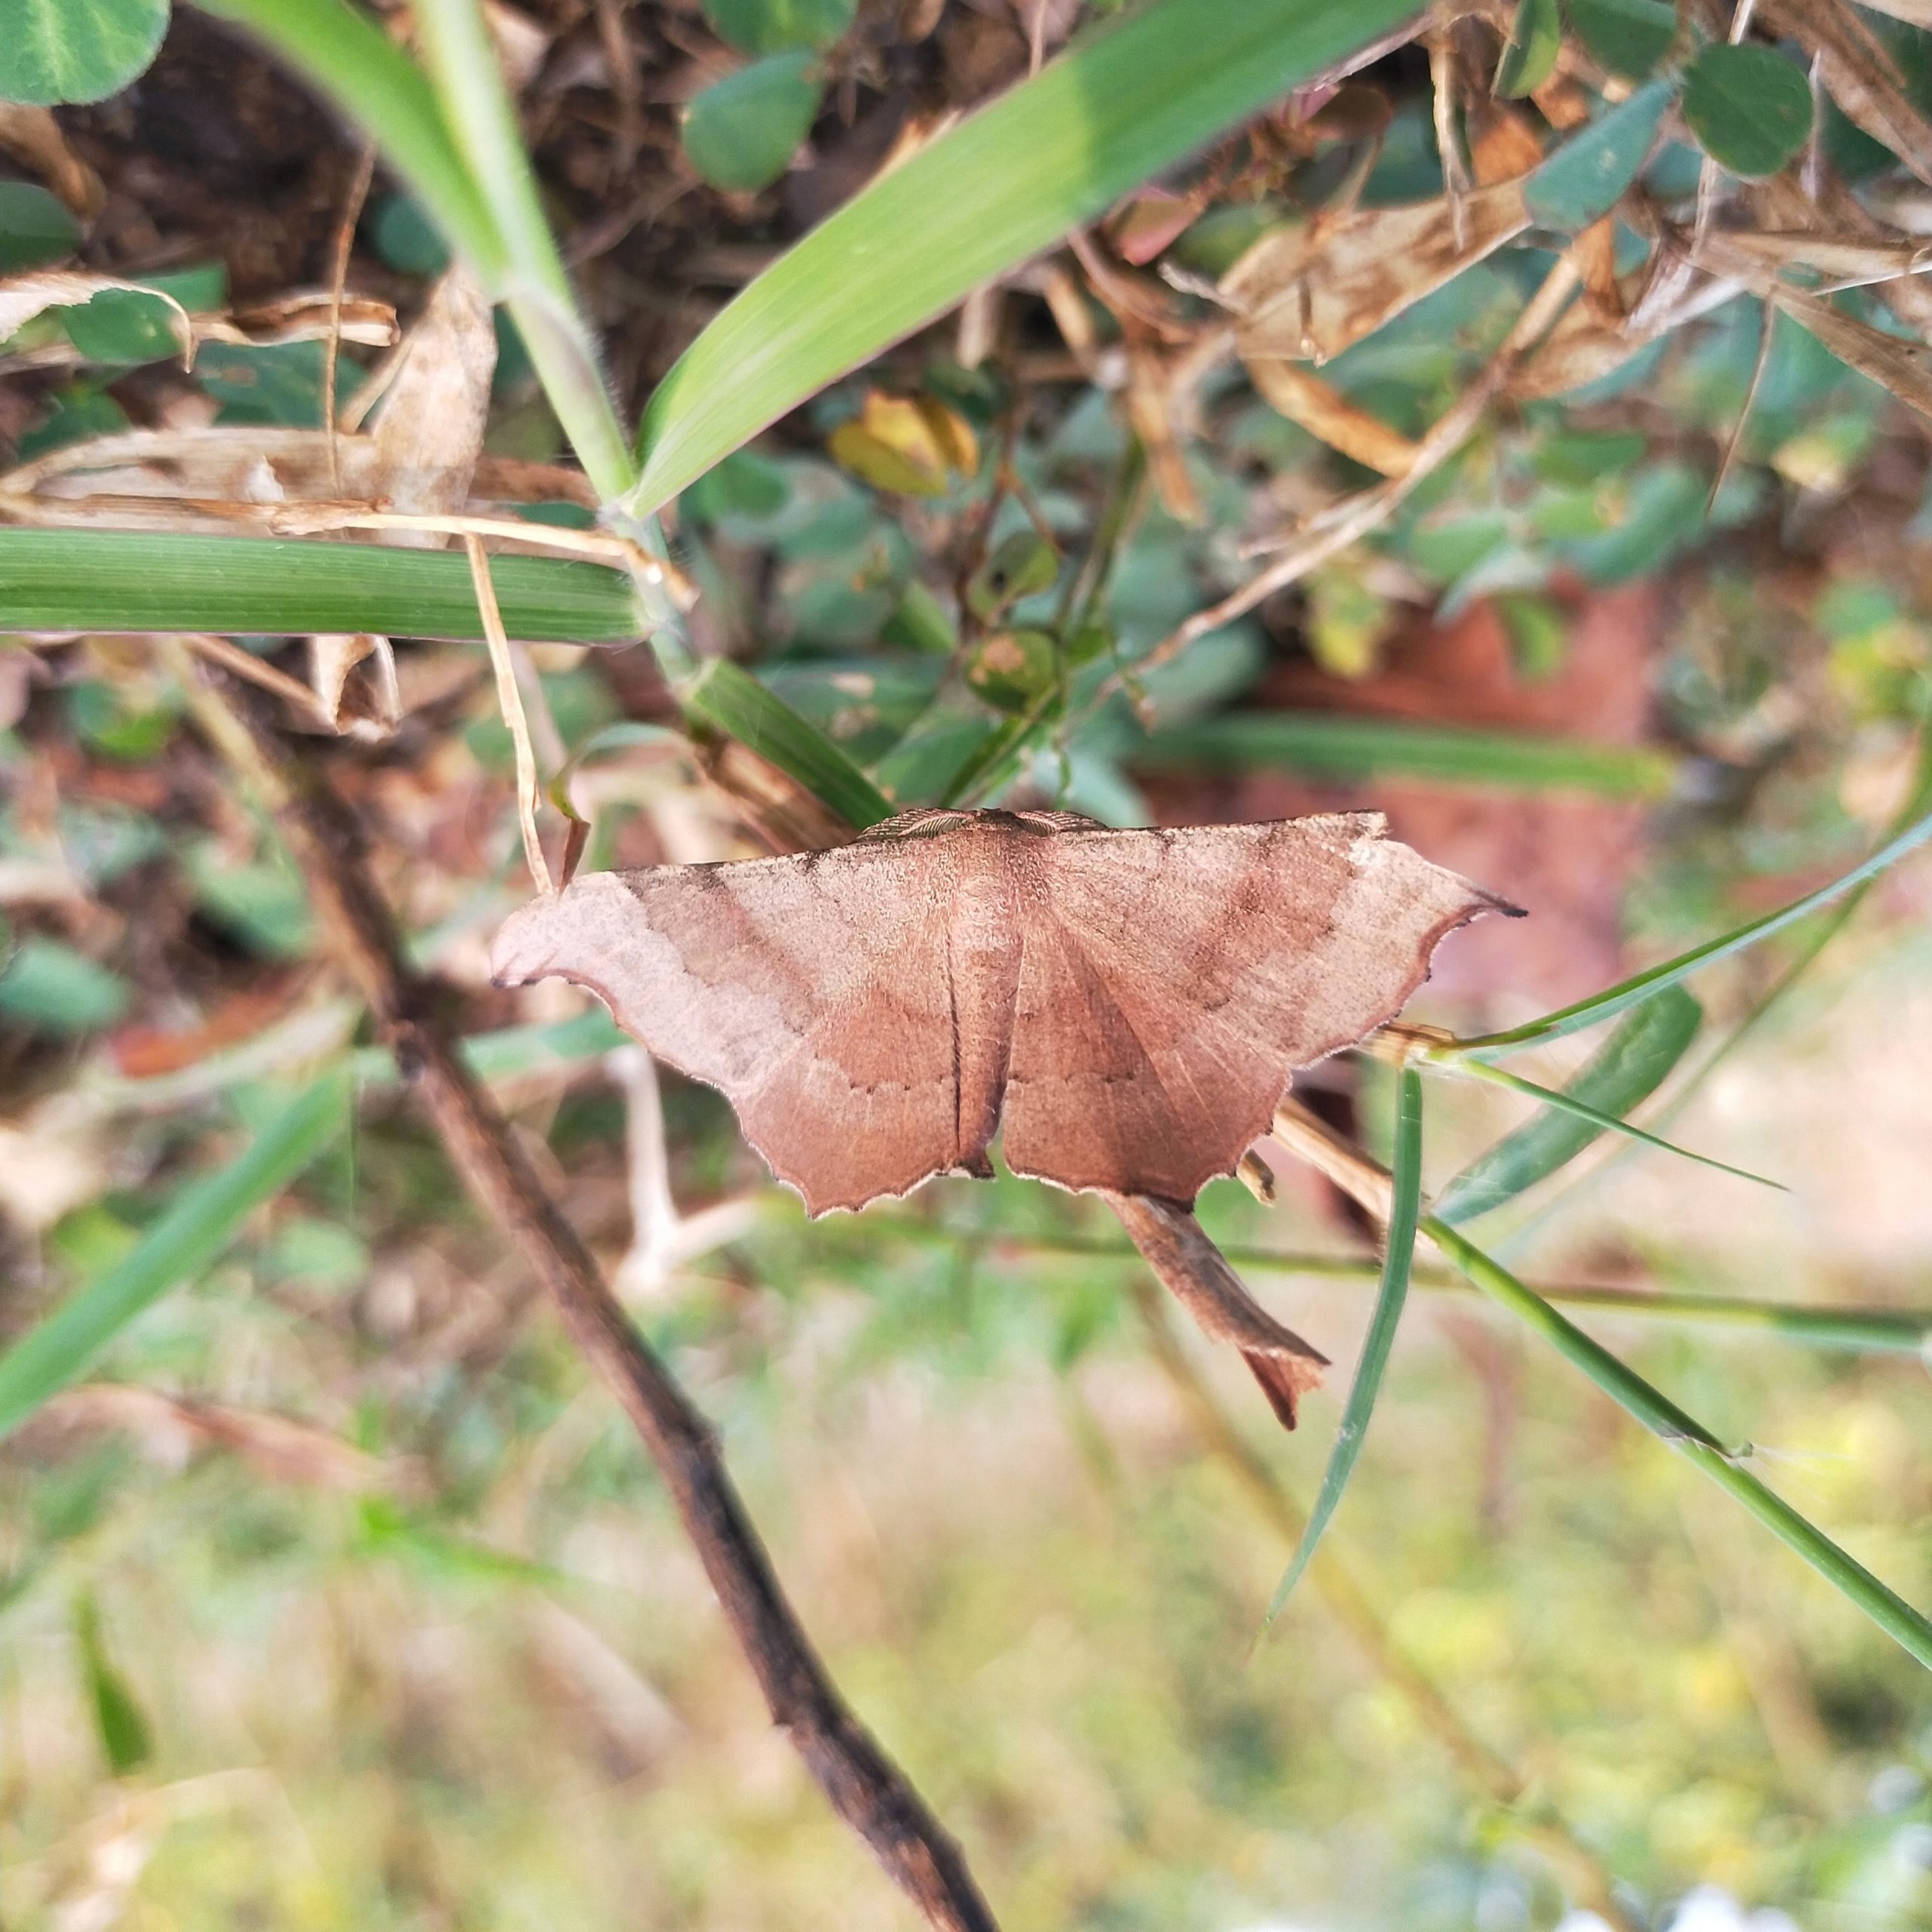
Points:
(865, 1787)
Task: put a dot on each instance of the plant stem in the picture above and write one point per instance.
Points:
(863, 1785)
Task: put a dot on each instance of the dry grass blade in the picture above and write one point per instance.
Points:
(1303, 397)
(1859, 74)
(509, 699)
(1305, 293)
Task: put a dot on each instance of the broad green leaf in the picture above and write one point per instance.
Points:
(80, 411)
(407, 239)
(772, 26)
(729, 698)
(203, 1218)
(47, 987)
(57, 50)
(1013, 670)
(1329, 744)
(742, 132)
(1647, 984)
(1405, 1206)
(1131, 100)
(121, 580)
(125, 1737)
(1587, 175)
(35, 229)
(1530, 57)
(1629, 1067)
(1628, 37)
(1749, 107)
(1663, 1418)
(124, 327)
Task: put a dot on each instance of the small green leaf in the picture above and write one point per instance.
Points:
(744, 485)
(1012, 670)
(123, 328)
(1748, 106)
(124, 1736)
(35, 229)
(271, 383)
(1019, 565)
(48, 987)
(1586, 176)
(79, 411)
(1530, 56)
(1404, 1209)
(1628, 37)
(56, 51)
(407, 239)
(775, 26)
(742, 132)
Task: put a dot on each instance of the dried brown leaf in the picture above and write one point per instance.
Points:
(1130, 1004)
(1305, 293)
(1305, 398)
(429, 433)
(1893, 364)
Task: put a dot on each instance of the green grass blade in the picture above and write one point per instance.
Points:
(1327, 745)
(1405, 1206)
(1648, 984)
(204, 1217)
(127, 580)
(1628, 1068)
(380, 89)
(1011, 179)
(464, 72)
(1592, 1118)
(725, 697)
(1663, 1417)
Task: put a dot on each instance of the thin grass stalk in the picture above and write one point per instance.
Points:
(1663, 1418)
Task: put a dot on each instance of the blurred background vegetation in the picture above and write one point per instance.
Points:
(337, 1594)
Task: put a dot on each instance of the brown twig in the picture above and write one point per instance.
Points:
(345, 240)
(865, 1787)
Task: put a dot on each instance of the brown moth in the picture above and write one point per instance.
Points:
(1129, 1004)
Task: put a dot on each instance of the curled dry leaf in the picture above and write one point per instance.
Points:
(1130, 1004)
(430, 432)
(1306, 399)
(1306, 293)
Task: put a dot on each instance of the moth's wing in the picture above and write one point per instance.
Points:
(812, 991)
(1172, 980)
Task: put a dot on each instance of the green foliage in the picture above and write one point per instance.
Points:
(1012, 177)
(1587, 176)
(203, 1218)
(35, 229)
(741, 132)
(46, 986)
(1627, 1069)
(774, 26)
(1748, 105)
(1628, 37)
(58, 50)
(126, 1739)
(1530, 57)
